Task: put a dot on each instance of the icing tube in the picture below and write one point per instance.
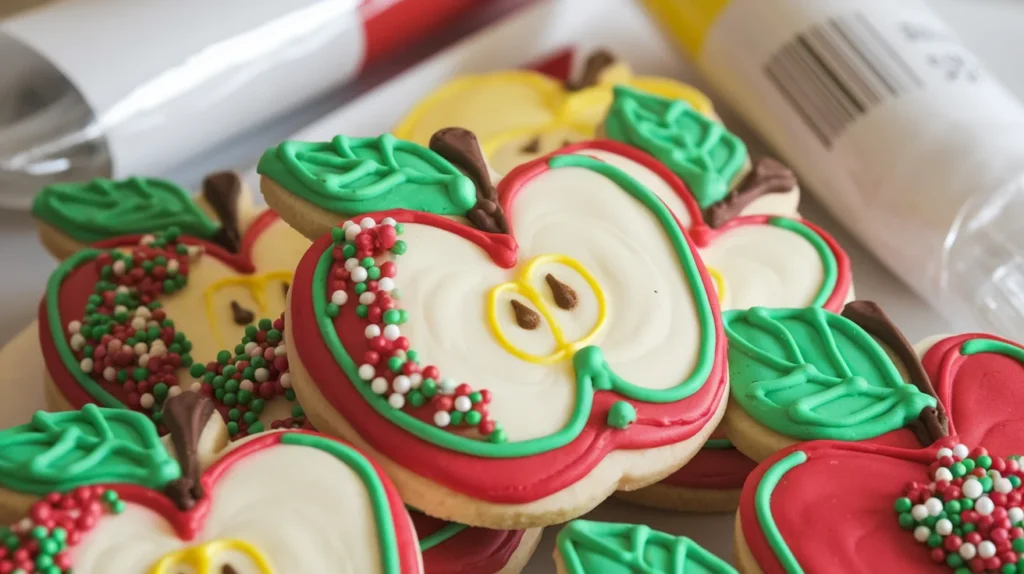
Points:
(895, 126)
(109, 88)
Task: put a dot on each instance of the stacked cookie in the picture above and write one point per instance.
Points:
(533, 296)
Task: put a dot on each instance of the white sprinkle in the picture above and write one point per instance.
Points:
(158, 350)
(366, 372)
(921, 533)
(934, 506)
(173, 266)
(246, 385)
(386, 284)
(944, 527)
(86, 365)
(143, 359)
(250, 346)
(347, 224)
(120, 309)
(174, 391)
(442, 419)
(379, 385)
(262, 375)
(367, 223)
(281, 349)
(147, 239)
(919, 512)
(26, 524)
(1015, 514)
(109, 374)
(392, 332)
(194, 251)
(401, 384)
(986, 549)
(447, 386)
(196, 387)
(140, 348)
(388, 221)
(351, 232)
(960, 451)
(118, 267)
(138, 323)
(943, 473)
(121, 289)
(359, 274)
(256, 352)
(147, 401)
(1002, 485)
(351, 263)
(77, 342)
(967, 551)
(74, 327)
(416, 379)
(944, 452)
(286, 380)
(399, 353)
(339, 297)
(972, 488)
(984, 505)
(372, 331)
(396, 400)
(143, 311)
(367, 298)
(463, 404)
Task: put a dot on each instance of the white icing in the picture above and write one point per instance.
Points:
(300, 507)
(651, 339)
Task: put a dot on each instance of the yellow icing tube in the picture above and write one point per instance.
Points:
(892, 123)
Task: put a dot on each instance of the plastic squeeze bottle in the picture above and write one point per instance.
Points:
(893, 124)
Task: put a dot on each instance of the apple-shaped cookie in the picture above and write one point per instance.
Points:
(805, 374)
(956, 510)
(268, 504)
(452, 548)
(518, 378)
(586, 547)
(121, 323)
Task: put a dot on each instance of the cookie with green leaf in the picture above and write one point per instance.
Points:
(804, 374)
(586, 547)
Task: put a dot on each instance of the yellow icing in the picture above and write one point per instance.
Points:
(256, 285)
(507, 109)
(523, 286)
(202, 559)
(719, 280)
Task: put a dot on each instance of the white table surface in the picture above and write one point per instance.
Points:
(989, 26)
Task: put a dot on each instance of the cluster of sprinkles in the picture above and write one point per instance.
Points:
(971, 513)
(125, 337)
(364, 252)
(241, 384)
(40, 542)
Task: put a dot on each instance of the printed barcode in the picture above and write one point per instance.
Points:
(837, 71)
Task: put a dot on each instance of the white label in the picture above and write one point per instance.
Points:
(879, 108)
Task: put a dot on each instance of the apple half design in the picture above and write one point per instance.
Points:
(536, 114)
(806, 374)
(205, 513)
(122, 322)
(531, 374)
(585, 547)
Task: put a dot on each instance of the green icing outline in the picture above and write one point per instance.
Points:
(786, 419)
(386, 537)
(447, 192)
(151, 465)
(191, 219)
(658, 137)
(592, 372)
(984, 345)
(67, 357)
(719, 444)
(591, 535)
(763, 509)
(828, 258)
(444, 534)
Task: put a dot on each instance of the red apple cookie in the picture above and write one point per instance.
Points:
(121, 504)
(452, 548)
(123, 321)
(552, 380)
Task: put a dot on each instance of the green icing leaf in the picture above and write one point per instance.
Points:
(103, 208)
(587, 547)
(57, 452)
(812, 374)
(696, 148)
(351, 176)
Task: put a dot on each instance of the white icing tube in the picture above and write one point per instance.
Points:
(893, 124)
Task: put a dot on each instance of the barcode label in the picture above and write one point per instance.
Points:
(837, 71)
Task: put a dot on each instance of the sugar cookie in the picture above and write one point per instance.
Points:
(123, 321)
(121, 503)
(586, 547)
(577, 382)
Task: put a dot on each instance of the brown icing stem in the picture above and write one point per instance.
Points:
(767, 176)
(241, 315)
(595, 65)
(932, 423)
(222, 191)
(532, 146)
(565, 297)
(525, 317)
(186, 416)
(228, 569)
(461, 148)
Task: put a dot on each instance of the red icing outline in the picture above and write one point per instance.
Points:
(713, 469)
(471, 551)
(841, 519)
(188, 524)
(510, 480)
(78, 285)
